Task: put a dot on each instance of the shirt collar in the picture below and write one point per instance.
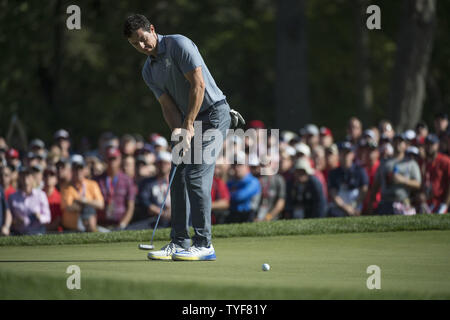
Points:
(161, 47)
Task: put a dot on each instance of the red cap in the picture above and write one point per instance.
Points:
(324, 131)
(256, 124)
(13, 154)
(113, 153)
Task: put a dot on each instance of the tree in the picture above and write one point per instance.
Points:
(414, 46)
(291, 81)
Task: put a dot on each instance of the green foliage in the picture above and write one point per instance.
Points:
(90, 80)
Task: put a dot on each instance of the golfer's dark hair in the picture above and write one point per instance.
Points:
(135, 22)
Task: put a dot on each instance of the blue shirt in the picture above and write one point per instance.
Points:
(176, 56)
(244, 193)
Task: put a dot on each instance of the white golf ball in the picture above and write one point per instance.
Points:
(265, 267)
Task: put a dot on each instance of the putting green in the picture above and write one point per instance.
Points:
(330, 266)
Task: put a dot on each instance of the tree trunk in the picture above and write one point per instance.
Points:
(291, 81)
(414, 46)
(363, 85)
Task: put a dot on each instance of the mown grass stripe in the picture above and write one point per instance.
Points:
(259, 229)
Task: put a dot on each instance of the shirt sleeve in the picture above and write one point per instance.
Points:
(415, 172)
(185, 54)
(364, 177)
(157, 91)
(96, 192)
(46, 216)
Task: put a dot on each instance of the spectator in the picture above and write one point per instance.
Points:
(371, 164)
(95, 167)
(287, 163)
(312, 135)
(128, 145)
(5, 215)
(62, 140)
(354, 130)
(411, 137)
(386, 129)
(440, 123)
(118, 191)
(139, 141)
(421, 132)
(151, 193)
(397, 177)
(306, 198)
(12, 158)
(80, 199)
(348, 184)
(160, 143)
(220, 196)
(273, 194)
(437, 176)
(63, 172)
(331, 160)
(6, 181)
(54, 199)
(29, 206)
(129, 166)
(37, 146)
(245, 192)
(326, 137)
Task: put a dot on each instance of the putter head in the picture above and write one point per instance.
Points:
(146, 247)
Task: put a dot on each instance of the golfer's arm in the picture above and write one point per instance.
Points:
(196, 94)
(170, 111)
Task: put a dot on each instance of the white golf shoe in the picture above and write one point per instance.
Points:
(166, 252)
(195, 253)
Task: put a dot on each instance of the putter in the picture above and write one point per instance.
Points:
(151, 246)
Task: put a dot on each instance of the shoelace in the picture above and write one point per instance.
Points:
(194, 249)
(170, 248)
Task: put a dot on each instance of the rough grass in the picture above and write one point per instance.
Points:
(259, 229)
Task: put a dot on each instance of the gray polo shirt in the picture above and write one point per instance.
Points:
(176, 56)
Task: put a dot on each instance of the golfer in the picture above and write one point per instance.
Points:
(177, 75)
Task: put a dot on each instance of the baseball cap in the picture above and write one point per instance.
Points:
(324, 131)
(31, 155)
(410, 134)
(304, 164)
(160, 141)
(290, 151)
(287, 136)
(62, 161)
(256, 124)
(37, 143)
(303, 148)
(36, 168)
(61, 134)
(50, 170)
(432, 138)
(141, 159)
(311, 129)
(369, 133)
(77, 160)
(164, 156)
(400, 136)
(345, 146)
(113, 153)
(412, 150)
(12, 154)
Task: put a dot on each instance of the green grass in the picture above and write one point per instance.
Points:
(414, 265)
(260, 229)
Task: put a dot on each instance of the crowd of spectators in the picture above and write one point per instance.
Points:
(121, 185)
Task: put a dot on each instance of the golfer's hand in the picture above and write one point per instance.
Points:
(187, 132)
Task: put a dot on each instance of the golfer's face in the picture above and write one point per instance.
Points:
(144, 41)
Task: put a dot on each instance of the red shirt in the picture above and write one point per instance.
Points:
(54, 201)
(437, 175)
(371, 172)
(10, 190)
(219, 190)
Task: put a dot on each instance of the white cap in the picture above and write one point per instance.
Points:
(164, 156)
(410, 135)
(312, 129)
(413, 150)
(288, 135)
(160, 141)
(303, 148)
(370, 133)
(290, 151)
(304, 164)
